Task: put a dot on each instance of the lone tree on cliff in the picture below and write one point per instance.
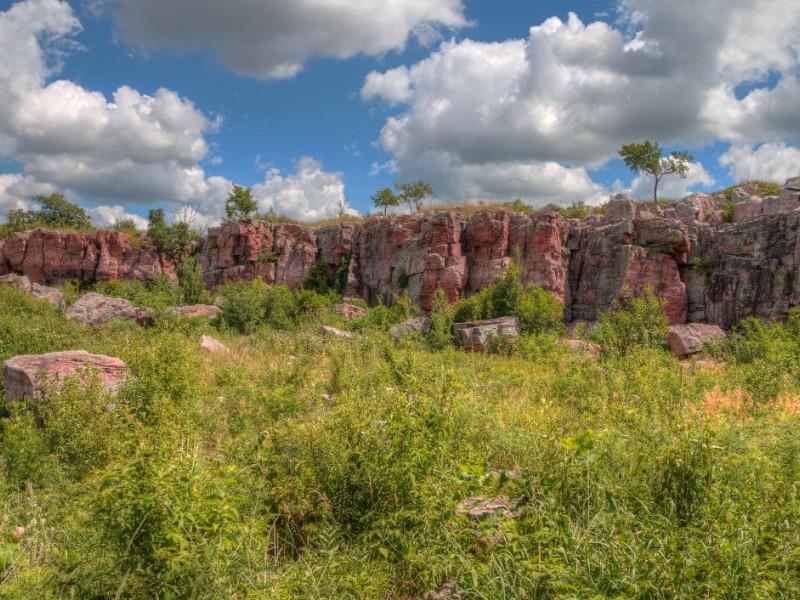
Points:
(240, 203)
(646, 158)
(55, 211)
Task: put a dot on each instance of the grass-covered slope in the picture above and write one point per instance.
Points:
(299, 466)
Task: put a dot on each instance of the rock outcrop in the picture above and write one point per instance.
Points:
(31, 375)
(52, 257)
(41, 292)
(209, 311)
(706, 269)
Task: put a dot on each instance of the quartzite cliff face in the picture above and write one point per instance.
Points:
(707, 270)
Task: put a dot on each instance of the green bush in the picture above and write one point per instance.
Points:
(190, 280)
(158, 293)
(280, 308)
(632, 322)
(440, 335)
(243, 305)
(538, 311)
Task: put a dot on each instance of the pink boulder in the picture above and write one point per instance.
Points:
(209, 344)
(95, 309)
(688, 339)
(350, 310)
(31, 375)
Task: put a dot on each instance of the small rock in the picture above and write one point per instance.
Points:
(326, 330)
(27, 375)
(688, 339)
(474, 336)
(478, 507)
(209, 344)
(350, 310)
(38, 291)
(410, 326)
(447, 591)
(210, 311)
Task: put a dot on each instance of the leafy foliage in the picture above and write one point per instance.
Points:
(307, 467)
(413, 194)
(240, 203)
(190, 280)
(55, 212)
(634, 322)
(646, 158)
(174, 241)
(538, 311)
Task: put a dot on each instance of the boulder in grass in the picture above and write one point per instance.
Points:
(95, 309)
(38, 291)
(688, 339)
(333, 331)
(30, 375)
(210, 311)
(475, 335)
(478, 507)
(209, 344)
(410, 327)
(351, 311)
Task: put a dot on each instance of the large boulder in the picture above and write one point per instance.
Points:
(38, 291)
(688, 339)
(95, 309)
(32, 375)
(475, 335)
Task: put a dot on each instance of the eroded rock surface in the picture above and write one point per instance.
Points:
(32, 375)
(474, 336)
(706, 269)
(38, 291)
(94, 309)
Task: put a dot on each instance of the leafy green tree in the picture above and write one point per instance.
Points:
(646, 158)
(385, 198)
(190, 280)
(413, 193)
(56, 211)
(240, 203)
(173, 241)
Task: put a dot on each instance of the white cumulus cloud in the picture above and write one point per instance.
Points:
(274, 38)
(770, 161)
(512, 117)
(308, 193)
(672, 186)
(105, 216)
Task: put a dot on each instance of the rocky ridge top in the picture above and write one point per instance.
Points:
(706, 268)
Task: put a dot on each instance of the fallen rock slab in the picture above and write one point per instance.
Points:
(410, 327)
(95, 309)
(688, 339)
(38, 291)
(333, 331)
(210, 311)
(474, 335)
(351, 311)
(31, 375)
(209, 344)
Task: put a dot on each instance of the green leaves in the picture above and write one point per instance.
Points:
(240, 203)
(646, 158)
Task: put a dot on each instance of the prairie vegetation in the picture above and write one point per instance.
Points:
(301, 466)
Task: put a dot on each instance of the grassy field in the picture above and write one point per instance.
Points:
(301, 466)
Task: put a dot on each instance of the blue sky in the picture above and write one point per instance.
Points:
(126, 105)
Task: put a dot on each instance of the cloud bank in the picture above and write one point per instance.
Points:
(490, 120)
